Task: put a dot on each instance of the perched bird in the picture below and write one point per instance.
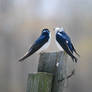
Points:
(64, 43)
(39, 45)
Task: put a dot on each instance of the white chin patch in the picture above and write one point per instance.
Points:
(61, 29)
(57, 29)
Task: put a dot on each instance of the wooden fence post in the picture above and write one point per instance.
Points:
(51, 73)
(39, 82)
(55, 63)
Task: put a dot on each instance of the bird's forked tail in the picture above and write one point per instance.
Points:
(25, 56)
(74, 59)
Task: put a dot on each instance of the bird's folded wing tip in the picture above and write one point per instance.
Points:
(20, 60)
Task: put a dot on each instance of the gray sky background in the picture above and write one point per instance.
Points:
(21, 22)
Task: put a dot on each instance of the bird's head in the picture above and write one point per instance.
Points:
(45, 31)
(61, 29)
(57, 29)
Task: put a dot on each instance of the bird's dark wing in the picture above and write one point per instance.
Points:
(70, 52)
(64, 44)
(70, 45)
(39, 43)
(65, 35)
(68, 40)
(36, 46)
(74, 49)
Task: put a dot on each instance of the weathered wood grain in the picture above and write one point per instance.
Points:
(39, 82)
(48, 62)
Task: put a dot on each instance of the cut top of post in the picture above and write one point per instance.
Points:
(48, 61)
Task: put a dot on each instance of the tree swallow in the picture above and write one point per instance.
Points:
(64, 43)
(39, 45)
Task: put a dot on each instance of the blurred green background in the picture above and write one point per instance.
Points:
(21, 22)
